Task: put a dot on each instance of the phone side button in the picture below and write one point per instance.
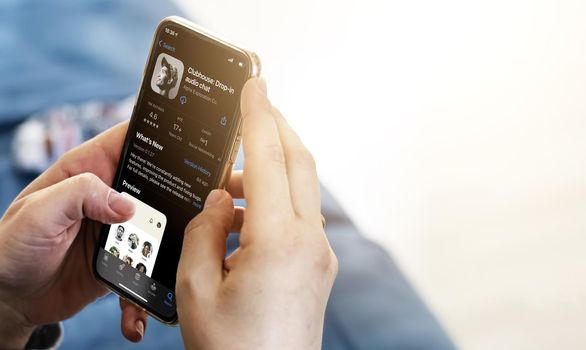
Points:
(235, 149)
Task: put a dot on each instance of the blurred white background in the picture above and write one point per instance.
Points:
(453, 132)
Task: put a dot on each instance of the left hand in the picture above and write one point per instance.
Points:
(48, 236)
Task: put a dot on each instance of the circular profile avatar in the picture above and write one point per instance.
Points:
(166, 76)
(114, 251)
(147, 249)
(119, 232)
(141, 268)
(127, 260)
(133, 241)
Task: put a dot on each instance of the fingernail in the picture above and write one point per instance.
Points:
(140, 328)
(120, 204)
(262, 85)
(213, 198)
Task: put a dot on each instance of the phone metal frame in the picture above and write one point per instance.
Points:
(254, 68)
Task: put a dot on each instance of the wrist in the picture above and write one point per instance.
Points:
(15, 331)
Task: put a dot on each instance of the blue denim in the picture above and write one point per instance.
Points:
(68, 51)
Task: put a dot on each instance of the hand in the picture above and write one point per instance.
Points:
(47, 241)
(272, 291)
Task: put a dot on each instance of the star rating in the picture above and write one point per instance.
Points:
(153, 124)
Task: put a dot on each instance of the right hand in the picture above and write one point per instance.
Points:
(48, 236)
(272, 291)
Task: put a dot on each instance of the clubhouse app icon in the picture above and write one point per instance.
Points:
(167, 75)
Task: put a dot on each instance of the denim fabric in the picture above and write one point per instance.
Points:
(372, 305)
(68, 51)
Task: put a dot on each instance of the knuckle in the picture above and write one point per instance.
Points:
(185, 285)
(18, 206)
(325, 260)
(184, 280)
(303, 158)
(67, 157)
(86, 180)
(334, 264)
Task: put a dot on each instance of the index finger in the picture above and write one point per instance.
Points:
(265, 182)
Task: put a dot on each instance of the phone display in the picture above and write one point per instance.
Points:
(181, 142)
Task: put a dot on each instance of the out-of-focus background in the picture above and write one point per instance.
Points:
(453, 132)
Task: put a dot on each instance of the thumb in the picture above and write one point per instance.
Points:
(81, 196)
(204, 247)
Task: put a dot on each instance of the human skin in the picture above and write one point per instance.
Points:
(48, 236)
(271, 293)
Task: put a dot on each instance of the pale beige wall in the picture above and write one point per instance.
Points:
(454, 133)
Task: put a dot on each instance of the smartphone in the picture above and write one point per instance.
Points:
(182, 140)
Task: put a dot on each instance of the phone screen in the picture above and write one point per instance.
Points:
(183, 135)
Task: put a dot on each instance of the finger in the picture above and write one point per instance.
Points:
(235, 187)
(64, 204)
(265, 176)
(238, 219)
(204, 247)
(301, 172)
(232, 261)
(133, 322)
(99, 156)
